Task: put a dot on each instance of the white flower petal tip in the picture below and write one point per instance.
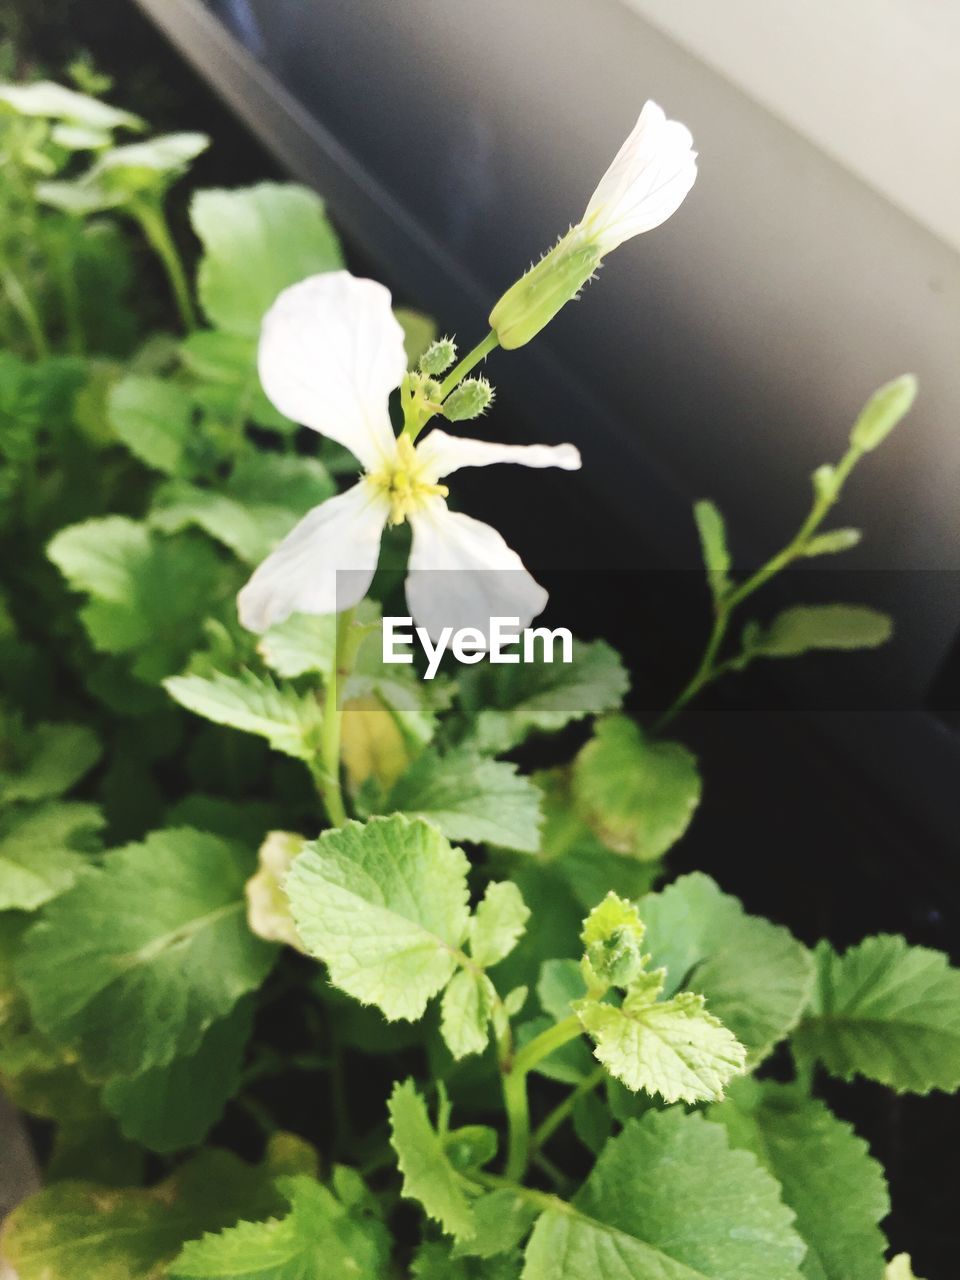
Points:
(324, 565)
(443, 454)
(331, 352)
(649, 179)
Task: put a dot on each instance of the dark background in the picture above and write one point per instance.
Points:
(830, 786)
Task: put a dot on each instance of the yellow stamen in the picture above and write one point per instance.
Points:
(403, 482)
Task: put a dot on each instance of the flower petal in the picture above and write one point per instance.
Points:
(442, 454)
(462, 574)
(331, 351)
(648, 181)
(324, 565)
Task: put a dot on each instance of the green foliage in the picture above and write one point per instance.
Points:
(887, 1011)
(42, 851)
(428, 1175)
(290, 721)
(153, 418)
(796, 1139)
(636, 794)
(45, 761)
(130, 967)
(802, 628)
(713, 544)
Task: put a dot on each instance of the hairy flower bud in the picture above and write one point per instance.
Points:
(883, 411)
(438, 357)
(469, 400)
(530, 304)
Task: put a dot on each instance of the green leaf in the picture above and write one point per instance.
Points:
(290, 721)
(830, 543)
(264, 497)
(304, 643)
(173, 1107)
(428, 1175)
(140, 170)
(130, 967)
(384, 906)
(669, 1200)
(756, 977)
(153, 417)
(803, 628)
(44, 761)
(504, 704)
(268, 908)
(148, 595)
(883, 411)
(471, 797)
(826, 1173)
(498, 923)
(671, 1047)
(50, 101)
(465, 1013)
(79, 1230)
(900, 1268)
(258, 241)
(713, 544)
(436, 1262)
(501, 1219)
(41, 851)
(887, 1011)
(318, 1236)
(638, 795)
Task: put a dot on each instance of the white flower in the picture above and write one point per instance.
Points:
(648, 181)
(331, 352)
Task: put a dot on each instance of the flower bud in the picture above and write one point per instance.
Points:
(883, 411)
(469, 400)
(438, 357)
(530, 304)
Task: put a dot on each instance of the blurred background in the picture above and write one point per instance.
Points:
(724, 356)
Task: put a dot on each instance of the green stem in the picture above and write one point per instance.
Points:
(469, 361)
(25, 308)
(153, 220)
(72, 312)
(562, 1112)
(327, 774)
(709, 669)
(515, 1098)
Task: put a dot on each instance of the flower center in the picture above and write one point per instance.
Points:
(404, 482)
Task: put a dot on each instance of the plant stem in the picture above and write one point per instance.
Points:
(24, 306)
(153, 220)
(515, 1097)
(72, 313)
(469, 361)
(709, 668)
(548, 1127)
(327, 775)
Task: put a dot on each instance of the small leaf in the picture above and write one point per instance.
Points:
(384, 905)
(465, 1012)
(883, 411)
(900, 1268)
(796, 1139)
(44, 761)
(638, 795)
(289, 721)
(802, 628)
(46, 100)
(470, 797)
(886, 1011)
(153, 417)
(318, 1236)
(828, 544)
(304, 643)
(42, 852)
(257, 241)
(669, 1199)
(498, 922)
(268, 909)
(504, 704)
(713, 544)
(437, 1262)
(130, 966)
(428, 1175)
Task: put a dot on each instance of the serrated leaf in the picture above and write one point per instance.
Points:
(465, 1012)
(637, 794)
(887, 1011)
(671, 1047)
(713, 544)
(827, 1175)
(384, 905)
(290, 721)
(78, 1230)
(257, 241)
(504, 704)
(436, 1262)
(803, 628)
(501, 1220)
(317, 1236)
(42, 851)
(471, 797)
(169, 1108)
(148, 595)
(756, 977)
(305, 642)
(131, 966)
(253, 510)
(669, 1200)
(428, 1175)
(497, 924)
(44, 761)
(153, 418)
